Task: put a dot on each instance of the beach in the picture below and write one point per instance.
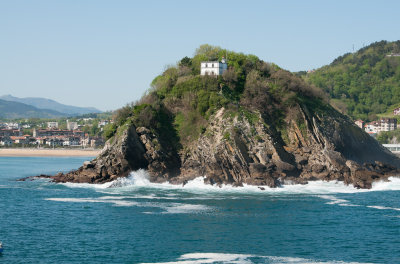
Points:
(30, 152)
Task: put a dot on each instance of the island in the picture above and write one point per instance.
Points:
(235, 119)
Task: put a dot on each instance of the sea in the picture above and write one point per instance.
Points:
(132, 220)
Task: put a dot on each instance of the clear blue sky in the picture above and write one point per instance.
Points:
(106, 53)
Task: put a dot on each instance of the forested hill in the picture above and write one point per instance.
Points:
(365, 83)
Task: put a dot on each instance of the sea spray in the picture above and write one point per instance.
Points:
(140, 179)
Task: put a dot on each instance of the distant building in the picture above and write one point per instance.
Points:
(5, 141)
(393, 55)
(10, 132)
(54, 142)
(359, 123)
(20, 139)
(392, 147)
(396, 111)
(388, 124)
(383, 124)
(372, 127)
(103, 123)
(56, 132)
(213, 67)
(96, 142)
(52, 125)
(72, 125)
(11, 125)
(72, 141)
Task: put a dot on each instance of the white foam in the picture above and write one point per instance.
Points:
(393, 184)
(177, 208)
(167, 208)
(334, 200)
(140, 179)
(93, 200)
(383, 207)
(200, 258)
(341, 202)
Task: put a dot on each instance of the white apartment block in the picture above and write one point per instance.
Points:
(72, 125)
(52, 125)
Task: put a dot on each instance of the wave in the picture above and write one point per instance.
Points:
(200, 258)
(116, 201)
(383, 207)
(166, 208)
(140, 179)
(335, 200)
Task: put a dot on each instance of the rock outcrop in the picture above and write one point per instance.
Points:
(234, 150)
(132, 149)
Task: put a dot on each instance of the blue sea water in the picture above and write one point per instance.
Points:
(134, 221)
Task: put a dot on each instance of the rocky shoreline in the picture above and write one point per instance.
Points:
(235, 151)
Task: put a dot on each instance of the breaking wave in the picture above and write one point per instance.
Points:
(140, 179)
(200, 258)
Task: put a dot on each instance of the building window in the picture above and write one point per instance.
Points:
(212, 65)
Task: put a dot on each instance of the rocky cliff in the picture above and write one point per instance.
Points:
(256, 124)
(235, 150)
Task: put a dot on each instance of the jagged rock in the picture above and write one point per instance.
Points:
(328, 148)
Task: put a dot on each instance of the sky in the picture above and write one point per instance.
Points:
(105, 54)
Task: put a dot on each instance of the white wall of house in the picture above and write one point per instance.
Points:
(213, 68)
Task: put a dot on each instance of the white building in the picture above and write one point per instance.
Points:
(52, 125)
(12, 125)
(359, 123)
(5, 141)
(213, 67)
(384, 124)
(72, 125)
(372, 127)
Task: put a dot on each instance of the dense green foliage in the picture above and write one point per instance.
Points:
(180, 101)
(362, 84)
(389, 137)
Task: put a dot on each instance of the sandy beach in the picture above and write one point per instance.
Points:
(27, 152)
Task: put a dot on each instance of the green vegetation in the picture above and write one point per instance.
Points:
(180, 102)
(362, 84)
(389, 137)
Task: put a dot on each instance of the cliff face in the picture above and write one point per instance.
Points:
(321, 148)
(130, 150)
(236, 150)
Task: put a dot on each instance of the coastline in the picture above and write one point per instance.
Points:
(31, 152)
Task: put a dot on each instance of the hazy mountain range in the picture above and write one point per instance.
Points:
(30, 107)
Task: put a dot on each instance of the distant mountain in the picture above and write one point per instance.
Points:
(12, 110)
(365, 83)
(43, 103)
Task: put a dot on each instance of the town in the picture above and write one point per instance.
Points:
(28, 133)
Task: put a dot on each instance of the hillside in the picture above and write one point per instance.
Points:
(365, 83)
(256, 124)
(43, 103)
(14, 110)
